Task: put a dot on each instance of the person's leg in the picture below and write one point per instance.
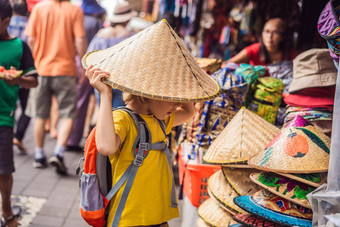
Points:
(84, 91)
(39, 104)
(54, 118)
(23, 120)
(6, 170)
(6, 183)
(64, 88)
(89, 115)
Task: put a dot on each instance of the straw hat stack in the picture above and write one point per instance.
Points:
(243, 137)
(295, 163)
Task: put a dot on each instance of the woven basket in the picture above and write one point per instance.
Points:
(295, 150)
(155, 64)
(245, 135)
(213, 214)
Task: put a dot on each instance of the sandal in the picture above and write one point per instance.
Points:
(20, 146)
(16, 215)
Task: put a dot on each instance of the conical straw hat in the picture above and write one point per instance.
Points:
(201, 223)
(224, 191)
(245, 135)
(295, 150)
(211, 212)
(312, 179)
(287, 188)
(253, 220)
(277, 209)
(155, 64)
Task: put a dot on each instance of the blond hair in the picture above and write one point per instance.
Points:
(128, 97)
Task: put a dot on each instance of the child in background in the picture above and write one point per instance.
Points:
(13, 53)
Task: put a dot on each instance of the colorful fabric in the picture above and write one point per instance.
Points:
(265, 98)
(329, 29)
(14, 53)
(310, 114)
(219, 112)
(276, 209)
(283, 71)
(153, 183)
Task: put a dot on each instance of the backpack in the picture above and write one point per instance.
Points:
(95, 181)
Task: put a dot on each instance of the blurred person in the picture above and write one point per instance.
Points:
(272, 48)
(109, 36)
(16, 28)
(94, 16)
(14, 53)
(56, 35)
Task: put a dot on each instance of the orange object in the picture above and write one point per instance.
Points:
(195, 180)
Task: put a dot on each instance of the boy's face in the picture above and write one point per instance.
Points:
(3, 27)
(162, 109)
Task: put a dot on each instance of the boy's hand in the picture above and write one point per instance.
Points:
(95, 77)
(10, 79)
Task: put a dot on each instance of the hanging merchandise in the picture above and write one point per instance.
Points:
(219, 112)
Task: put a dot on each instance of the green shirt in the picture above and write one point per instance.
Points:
(16, 53)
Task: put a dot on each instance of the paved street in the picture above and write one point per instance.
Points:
(46, 198)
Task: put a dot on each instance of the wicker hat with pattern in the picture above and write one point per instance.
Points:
(155, 64)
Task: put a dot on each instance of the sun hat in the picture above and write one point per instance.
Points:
(92, 7)
(122, 12)
(201, 223)
(313, 68)
(224, 189)
(311, 97)
(295, 150)
(253, 220)
(284, 187)
(154, 63)
(329, 29)
(209, 65)
(312, 179)
(274, 208)
(211, 213)
(245, 135)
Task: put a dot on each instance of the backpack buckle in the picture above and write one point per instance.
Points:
(138, 160)
(144, 146)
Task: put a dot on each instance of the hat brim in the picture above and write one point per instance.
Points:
(248, 203)
(253, 220)
(301, 83)
(281, 191)
(123, 17)
(304, 178)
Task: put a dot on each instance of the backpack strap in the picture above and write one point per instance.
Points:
(143, 141)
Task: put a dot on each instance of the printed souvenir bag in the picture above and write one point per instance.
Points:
(265, 98)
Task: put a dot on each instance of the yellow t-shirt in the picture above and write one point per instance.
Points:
(149, 201)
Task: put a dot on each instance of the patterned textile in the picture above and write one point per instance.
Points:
(218, 113)
(310, 114)
(329, 29)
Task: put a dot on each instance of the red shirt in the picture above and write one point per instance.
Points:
(253, 52)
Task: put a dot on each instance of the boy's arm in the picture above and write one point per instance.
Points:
(23, 81)
(184, 113)
(107, 141)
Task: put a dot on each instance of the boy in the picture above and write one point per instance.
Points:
(13, 53)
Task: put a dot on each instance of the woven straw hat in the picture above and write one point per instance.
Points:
(201, 223)
(122, 12)
(211, 212)
(274, 208)
(245, 135)
(295, 150)
(225, 189)
(287, 188)
(155, 64)
(312, 179)
(253, 220)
